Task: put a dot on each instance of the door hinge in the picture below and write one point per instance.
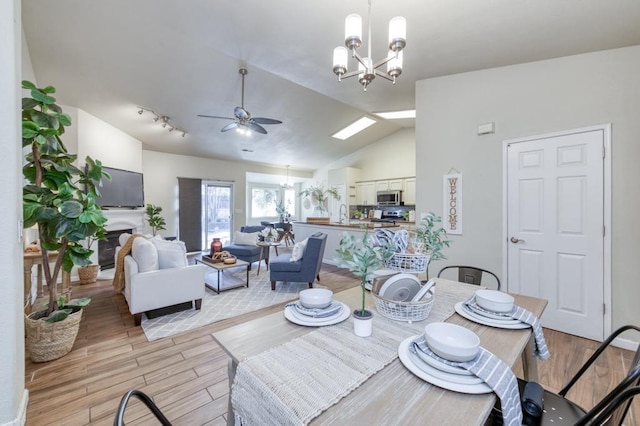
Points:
(604, 231)
(604, 151)
(604, 309)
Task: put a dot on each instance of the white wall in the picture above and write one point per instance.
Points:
(523, 100)
(14, 397)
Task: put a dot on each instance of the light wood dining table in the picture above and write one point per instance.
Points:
(394, 395)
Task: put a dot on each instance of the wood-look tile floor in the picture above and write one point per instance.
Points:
(187, 374)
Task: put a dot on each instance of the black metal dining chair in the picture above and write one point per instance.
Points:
(611, 410)
(470, 274)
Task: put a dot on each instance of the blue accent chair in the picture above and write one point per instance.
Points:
(249, 253)
(305, 270)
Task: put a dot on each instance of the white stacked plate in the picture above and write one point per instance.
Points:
(438, 373)
(484, 318)
(292, 314)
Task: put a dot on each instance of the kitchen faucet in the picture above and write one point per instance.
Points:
(341, 215)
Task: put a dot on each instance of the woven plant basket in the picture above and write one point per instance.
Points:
(88, 274)
(49, 341)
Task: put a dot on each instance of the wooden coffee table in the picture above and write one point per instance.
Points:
(220, 266)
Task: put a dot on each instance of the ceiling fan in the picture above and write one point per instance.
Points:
(242, 117)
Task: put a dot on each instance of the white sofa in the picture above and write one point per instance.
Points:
(157, 275)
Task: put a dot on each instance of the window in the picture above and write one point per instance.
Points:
(263, 202)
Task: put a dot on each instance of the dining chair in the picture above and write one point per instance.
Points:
(611, 410)
(470, 274)
(285, 232)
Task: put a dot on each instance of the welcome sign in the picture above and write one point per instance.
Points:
(452, 199)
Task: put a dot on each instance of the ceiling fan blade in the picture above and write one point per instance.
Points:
(256, 128)
(241, 113)
(229, 127)
(215, 116)
(262, 120)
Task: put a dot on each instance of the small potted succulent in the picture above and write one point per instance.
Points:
(362, 258)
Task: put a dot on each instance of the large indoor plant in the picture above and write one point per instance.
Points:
(362, 258)
(60, 199)
(318, 198)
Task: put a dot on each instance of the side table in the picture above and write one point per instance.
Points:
(266, 245)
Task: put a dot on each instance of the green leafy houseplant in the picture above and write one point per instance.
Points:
(318, 197)
(53, 197)
(156, 222)
(431, 237)
(362, 258)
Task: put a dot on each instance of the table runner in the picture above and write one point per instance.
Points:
(293, 383)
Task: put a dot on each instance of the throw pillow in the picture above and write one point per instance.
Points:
(298, 250)
(145, 254)
(246, 239)
(171, 254)
(122, 239)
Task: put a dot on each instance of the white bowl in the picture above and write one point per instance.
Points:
(495, 301)
(316, 297)
(451, 341)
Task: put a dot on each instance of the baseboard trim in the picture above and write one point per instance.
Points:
(625, 344)
(21, 415)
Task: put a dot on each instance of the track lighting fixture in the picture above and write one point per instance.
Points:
(163, 119)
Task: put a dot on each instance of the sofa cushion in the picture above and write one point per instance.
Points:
(298, 250)
(171, 254)
(244, 238)
(242, 250)
(145, 254)
(122, 239)
(284, 264)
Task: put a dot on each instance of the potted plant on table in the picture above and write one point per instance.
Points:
(156, 222)
(430, 239)
(66, 214)
(362, 258)
(318, 198)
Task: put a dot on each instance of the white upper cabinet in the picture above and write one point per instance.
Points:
(409, 194)
(366, 193)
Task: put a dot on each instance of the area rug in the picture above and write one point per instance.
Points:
(227, 304)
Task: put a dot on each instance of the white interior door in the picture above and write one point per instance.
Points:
(555, 225)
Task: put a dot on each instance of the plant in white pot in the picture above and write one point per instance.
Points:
(362, 258)
(61, 199)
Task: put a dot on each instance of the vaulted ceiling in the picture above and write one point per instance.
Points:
(181, 59)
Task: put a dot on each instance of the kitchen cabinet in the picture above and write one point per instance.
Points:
(365, 193)
(346, 177)
(409, 194)
(390, 185)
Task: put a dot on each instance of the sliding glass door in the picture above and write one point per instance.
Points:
(218, 212)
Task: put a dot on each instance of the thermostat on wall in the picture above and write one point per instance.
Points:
(486, 128)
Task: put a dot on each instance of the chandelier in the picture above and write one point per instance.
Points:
(286, 184)
(367, 69)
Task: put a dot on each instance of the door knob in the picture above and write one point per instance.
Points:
(515, 240)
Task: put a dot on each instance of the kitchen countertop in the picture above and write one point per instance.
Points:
(360, 224)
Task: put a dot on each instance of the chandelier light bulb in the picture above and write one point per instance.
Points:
(340, 59)
(397, 33)
(353, 31)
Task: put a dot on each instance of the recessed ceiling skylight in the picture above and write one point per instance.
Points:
(353, 128)
(394, 115)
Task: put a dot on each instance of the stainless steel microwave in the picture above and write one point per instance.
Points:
(389, 198)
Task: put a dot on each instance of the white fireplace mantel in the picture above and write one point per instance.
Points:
(125, 219)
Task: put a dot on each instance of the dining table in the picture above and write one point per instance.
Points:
(392, 395)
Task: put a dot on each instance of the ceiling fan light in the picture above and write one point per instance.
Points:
(397, 33)
(353, 31)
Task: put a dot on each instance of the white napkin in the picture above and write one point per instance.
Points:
(493, 372)
(333, 309)
(521, 314)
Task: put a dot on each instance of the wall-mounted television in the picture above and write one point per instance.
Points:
(125, 189)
